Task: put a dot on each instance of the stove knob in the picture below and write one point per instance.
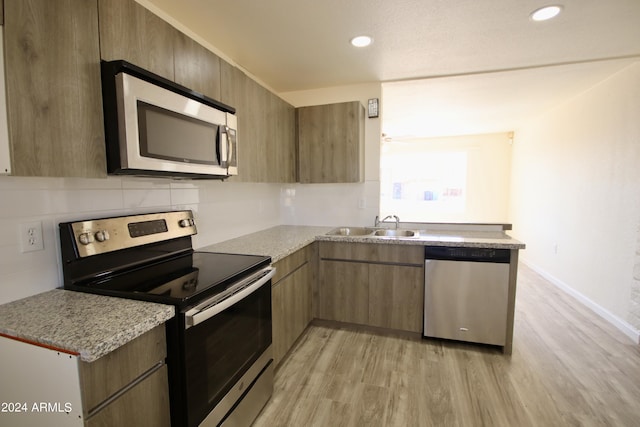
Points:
(102, 235)
(85, 238)
(185, 222)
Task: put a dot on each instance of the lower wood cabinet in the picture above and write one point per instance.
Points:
(145, 404)
(128, 386)
(344, 291)
(396, 295)
(292, 299)
(372, 284)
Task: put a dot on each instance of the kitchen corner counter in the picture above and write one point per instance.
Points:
(276, 242)
(80, 323)
(283, 240)
(469, 239)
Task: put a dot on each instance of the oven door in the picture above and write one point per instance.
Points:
(227, 351)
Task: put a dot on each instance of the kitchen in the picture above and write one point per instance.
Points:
(571, 221)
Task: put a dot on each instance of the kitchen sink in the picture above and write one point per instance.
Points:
(371, 232)
(395, 233)
(351, 231)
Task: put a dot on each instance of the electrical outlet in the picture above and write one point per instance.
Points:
(31, 236)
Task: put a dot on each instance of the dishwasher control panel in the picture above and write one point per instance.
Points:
(455, 253)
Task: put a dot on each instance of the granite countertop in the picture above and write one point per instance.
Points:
(91, 325)
(277, 242)
(85, 324)
(281, 241)
(470, 239)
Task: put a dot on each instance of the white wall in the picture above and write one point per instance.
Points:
(223, 210)
(575, 196)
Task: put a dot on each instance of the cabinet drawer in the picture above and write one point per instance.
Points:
(144, 405)
(291, 263)
(109, 374)
(373, 252)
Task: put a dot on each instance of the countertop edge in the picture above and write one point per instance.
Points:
(281, 241)
(109, 328)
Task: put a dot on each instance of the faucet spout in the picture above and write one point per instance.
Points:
(394, 217)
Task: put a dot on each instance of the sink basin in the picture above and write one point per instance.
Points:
(351, 231)
(395, 233)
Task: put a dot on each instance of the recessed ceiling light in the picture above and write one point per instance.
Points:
(545, 13)
(361, 41)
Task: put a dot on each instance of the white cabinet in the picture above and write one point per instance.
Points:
(47, 387)
(40, 386)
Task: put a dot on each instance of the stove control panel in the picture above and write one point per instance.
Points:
(98, 236)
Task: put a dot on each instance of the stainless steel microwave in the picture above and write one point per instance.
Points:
(156, 127)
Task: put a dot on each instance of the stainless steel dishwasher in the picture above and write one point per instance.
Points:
(466, 294)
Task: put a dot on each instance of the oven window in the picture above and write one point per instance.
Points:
(219, 351)
(167, 135)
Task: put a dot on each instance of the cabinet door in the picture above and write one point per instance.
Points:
(396, 295)
(266, 129)
(196, 67)
(129, 31)
(54, 97)
(331, 143)
(281, 144)
(344, 291)
(291, 304)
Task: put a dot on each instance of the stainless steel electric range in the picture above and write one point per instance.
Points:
(219, 343)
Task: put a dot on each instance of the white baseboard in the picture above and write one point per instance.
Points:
(620, 324)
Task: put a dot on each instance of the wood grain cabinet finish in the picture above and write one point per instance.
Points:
(378, 285)
(330, 141)
(396, 293)
(344, 291)
(131, 32)
(266, 129)
(292, 299)
(144, 405)
(54, 100)
(128, 386)
(196, 67)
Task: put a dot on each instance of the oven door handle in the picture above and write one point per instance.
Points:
(207, 309)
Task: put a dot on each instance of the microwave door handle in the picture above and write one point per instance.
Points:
(223, 146)
(229, 148)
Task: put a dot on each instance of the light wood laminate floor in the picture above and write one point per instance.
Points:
(569, 368)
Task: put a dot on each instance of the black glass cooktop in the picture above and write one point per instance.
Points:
(186, 279)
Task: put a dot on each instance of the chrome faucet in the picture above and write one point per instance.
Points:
(377, 220)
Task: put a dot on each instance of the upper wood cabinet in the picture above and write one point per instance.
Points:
(266, 130)
(54, 95)
(129, 31)
(196, 67)
(330, 143)
(54, 100)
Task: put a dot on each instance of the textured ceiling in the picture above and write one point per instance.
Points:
(294, 45)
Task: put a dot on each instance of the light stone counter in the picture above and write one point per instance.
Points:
(276, 242)
(469, 239)
(85, 324)
(281, 241)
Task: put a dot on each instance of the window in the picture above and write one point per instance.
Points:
(451, 179)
